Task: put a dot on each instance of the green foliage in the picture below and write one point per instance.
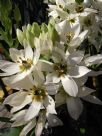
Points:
(5, 119)
(9, 13)
(14, 131)
(79, 1)
(82, 131)
(17, 15)
(35, 29)
(53, 33)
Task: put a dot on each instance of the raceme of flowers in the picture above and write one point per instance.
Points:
(50, 69)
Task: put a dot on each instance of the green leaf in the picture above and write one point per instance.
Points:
(5, 119)
(44, 28)
(14, 131)
(53, 33)
(20, 36)
(79, 1)
(30, 38)
(36, 29)
(82, 130)
(6, 5)
(17, 15)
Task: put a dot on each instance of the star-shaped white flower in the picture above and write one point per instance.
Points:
(24, 62)
(66, 67)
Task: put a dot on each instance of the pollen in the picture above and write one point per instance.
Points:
(79, 9)
(26, 64)
(72, 20)
(69, 36)
(60, 69)
(38, 94)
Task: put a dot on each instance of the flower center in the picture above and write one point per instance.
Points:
(72, 20)
(79, 9)
(38, 93)
(69, 36)
(61, 69)
(26, 64)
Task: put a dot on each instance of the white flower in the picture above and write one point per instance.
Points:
(36, 97)
(24, 63)
(64, 9)
(65, 68)
(70, 34)
(37, 124)
(74, 104)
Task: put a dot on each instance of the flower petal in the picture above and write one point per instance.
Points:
(85, 91)
(18, 115)
(69, 85)
(44, 65)
(52, 88)
(16, 55)
(28, 51)
(17, 99)
(40, 124)
(74, 106)
(33, 110)
(96, 59)
(28, 99)
(75, 57)
(9, 67)
(28, 127)
(50, 105)
(53, 120)
(92, 99)
(78, 71)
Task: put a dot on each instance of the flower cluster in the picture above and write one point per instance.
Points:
(50, 69)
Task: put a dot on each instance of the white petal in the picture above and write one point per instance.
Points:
(76, 30)
(18, 77)
(82, 80)
(54, 121)
(44, 65)
(19, 122)
(19, 115)
(8, 100)
(84, 91)
(28, 99)
(28, 127)
(16, 55)
(17, 100)
(78, 40)
(92, 99)
(28, 51)
(33, 110)
(69, 85)
(60, 98)
(75, 57)
(50, 105)
(78, 71)
(9, 67)
(52, 78)
(95, 73)
(52, 88)
(22, 84)
(40, 124)
(75, 107)
(39, 78)
(96, 59)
